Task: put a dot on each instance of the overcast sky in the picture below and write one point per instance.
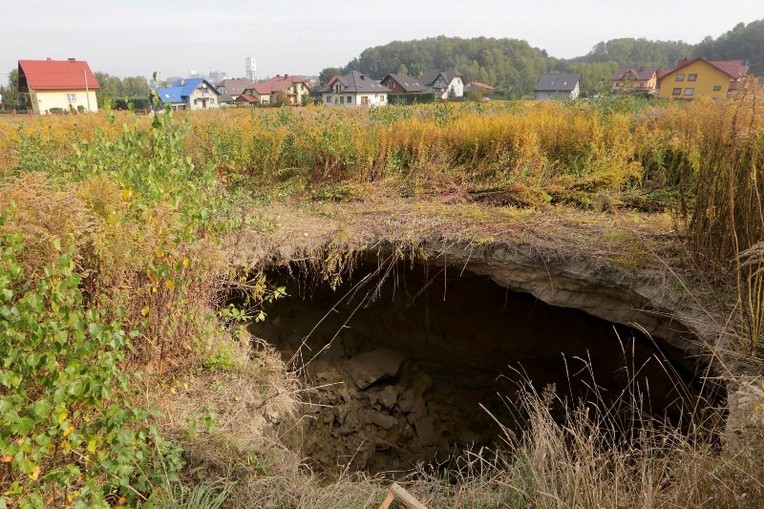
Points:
(136, 37)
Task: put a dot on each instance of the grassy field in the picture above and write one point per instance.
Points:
(113, 270)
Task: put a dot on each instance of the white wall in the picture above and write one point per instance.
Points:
(373, 99)
(196, 99)
(457, 85)
(43, 100)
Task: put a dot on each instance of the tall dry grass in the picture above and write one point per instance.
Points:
(726, 225)
(534, 152)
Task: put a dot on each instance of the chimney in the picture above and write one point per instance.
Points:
(286, 75)
(682, 61)
(71, 59)
(48, 58)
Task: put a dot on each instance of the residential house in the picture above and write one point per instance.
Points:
(355, 89)
(403, 84)
(446, 83)
(635, 79)
(233, 87)
(405, 89)
(58, 84)
(190, 94)
(261, 92)
(701, 77)
(558, 86)
(247, 100)
(225, 100)
(289, 90)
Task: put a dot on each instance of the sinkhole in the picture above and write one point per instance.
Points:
(412, 364)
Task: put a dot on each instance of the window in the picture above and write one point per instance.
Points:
(71, 98)
(364, 99)
(677, 91)
(680, 77)
(349, 100)
(342, 99)
(328, 99)
(717, 88)
(641, 84)
(692, 77)
(689, 91)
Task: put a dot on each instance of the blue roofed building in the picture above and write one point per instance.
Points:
(190, 94)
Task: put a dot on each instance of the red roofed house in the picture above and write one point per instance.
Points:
(58, 84)
(290, 90)
(701, 77)
(635, 79)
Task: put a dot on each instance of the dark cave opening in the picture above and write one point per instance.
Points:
(414, 364)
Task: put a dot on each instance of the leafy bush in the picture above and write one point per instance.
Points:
(68, 432)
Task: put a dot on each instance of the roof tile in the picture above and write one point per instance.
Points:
(57, 75)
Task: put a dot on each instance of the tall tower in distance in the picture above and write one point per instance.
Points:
(250, 68)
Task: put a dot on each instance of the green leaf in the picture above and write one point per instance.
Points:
(42, 408)
(24, 426)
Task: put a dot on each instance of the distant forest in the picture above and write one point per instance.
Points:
(514, 66)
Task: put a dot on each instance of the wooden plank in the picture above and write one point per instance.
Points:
(406, 497)
(388, 500)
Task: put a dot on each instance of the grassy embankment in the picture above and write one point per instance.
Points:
(111, 266)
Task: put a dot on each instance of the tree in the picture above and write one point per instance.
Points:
(326, 74)
(12, 97)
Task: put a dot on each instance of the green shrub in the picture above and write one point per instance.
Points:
(68, 432)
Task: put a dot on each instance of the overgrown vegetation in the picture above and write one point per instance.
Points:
(110, 265)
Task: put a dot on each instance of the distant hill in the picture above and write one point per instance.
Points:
(637, 52)
(512, 63)
(514, 66)
(744, 42)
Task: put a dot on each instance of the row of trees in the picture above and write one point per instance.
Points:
(12, 99)
(117, 92)
(513, 66)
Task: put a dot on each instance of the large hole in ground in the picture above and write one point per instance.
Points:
(414, 364)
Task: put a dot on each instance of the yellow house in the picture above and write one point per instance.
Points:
(702, 78)
(64, 85)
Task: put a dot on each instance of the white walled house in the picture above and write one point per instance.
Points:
(190, 94)
(355, 89)
(446, 83)
(558, 86)
(50, 85)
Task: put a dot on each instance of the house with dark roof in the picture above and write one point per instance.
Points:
(445, 83)
(51, 85)
(289, 90)
(190, 94)
(701, 77)
(403, 84)
(627, 80)
(558, 86)
(355, 89)
(233, 87)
